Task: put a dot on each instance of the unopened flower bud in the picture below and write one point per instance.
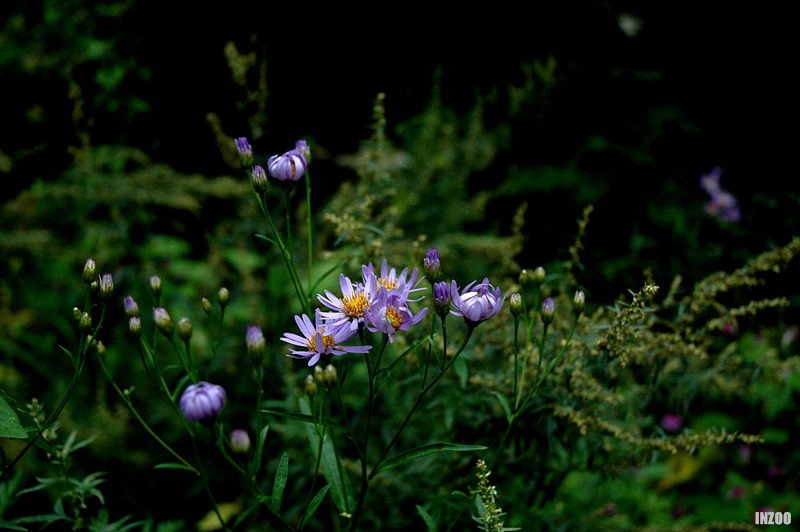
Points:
(85, 323)
(524, 277)
(135, 326)
(206, 304)
(433, 266)
(106, 286)
(515, 302)
(330, 375)
(245, 151)
(255, 342)
(202, 401)
(319, 374)
(258, 178)
(163, 321)
(538, 275)
(441, 298)
(90, 271)
(96, 344)
(131, 307)
(155, 285)
(310, 384)
(184, 329)
(579, 301)
(302, 147)
(77, 313)
(223, 296)
(240, 441)
(548, 311)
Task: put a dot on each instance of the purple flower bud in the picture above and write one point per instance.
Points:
(245, 151)
(548, 310)
(579, 301)
(259, 179)
(106, 285)
(202, 401)
(433, 266)
(131, 307)
(302, 147)
(476, 303)
(240, 441)
(135, 326)
(255, 342)
(288, 167)
(671, 423)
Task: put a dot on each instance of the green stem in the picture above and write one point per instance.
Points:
(309, 230)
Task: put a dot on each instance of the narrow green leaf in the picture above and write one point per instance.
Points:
(306, 418)
(174, 465)
(326, 274)
(10, 427)
(331, 465)
(71, 356)
(429, 522)
(265, 237)
(11, 526)
(281, 474)
(424, 450)
(313, 505)
(260, 449)
(504, 403)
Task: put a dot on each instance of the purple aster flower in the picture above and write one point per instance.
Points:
(349, 310)
(477, 303)
(389, 279)
(390, 313)
(288, 167)
(441, 298)
(202, 401)
(320, 339)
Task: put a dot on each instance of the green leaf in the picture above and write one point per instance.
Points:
(306, 418)
(504, 403)
(331, 465)
(174, 465)
(429, 522)
(260, 449)
(424, 450)
(281, 474)
(265, 237)
(313, 505)
(10, 526)
(10, 427)
(70, 355)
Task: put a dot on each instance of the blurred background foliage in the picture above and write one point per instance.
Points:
(118, 119)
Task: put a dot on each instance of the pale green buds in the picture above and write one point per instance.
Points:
(579, 301)
(223, 296)
(206, 304)
(163, 321)
(330, 375)
(515, 301)
(240, 441)
(155, 285)
(106, 286)
(135, 326)
(538, 275)
(185, 329)
(310, 384)
(85, 323)
(90, 271)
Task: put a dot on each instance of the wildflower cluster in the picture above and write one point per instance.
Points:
(723, 204)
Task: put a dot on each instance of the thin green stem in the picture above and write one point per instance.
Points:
(309, 230)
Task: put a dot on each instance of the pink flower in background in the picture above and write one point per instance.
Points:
(672, 423)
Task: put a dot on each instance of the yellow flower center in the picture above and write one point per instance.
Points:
(355, 306)
(394, 317)
(327, 340)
